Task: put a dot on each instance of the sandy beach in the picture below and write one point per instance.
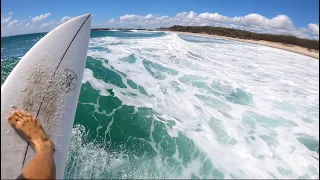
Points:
(293, 48)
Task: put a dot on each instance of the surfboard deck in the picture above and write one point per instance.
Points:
(46, 83)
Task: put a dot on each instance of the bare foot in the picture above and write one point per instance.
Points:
(26, 123)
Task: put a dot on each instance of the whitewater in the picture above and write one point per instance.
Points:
(250, 111)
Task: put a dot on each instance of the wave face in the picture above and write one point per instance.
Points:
(163, 105)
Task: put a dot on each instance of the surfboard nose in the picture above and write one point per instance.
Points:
(83, 22)
(83, 18)
(86, 19)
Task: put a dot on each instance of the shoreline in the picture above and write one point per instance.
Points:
(288, 47)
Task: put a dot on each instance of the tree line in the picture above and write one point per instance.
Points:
(242, 34)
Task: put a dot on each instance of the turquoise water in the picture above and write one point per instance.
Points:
(163, 105)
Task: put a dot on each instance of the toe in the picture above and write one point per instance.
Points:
(17, 119)
(19, 114)
(12, 118)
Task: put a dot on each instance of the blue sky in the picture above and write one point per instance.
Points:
(245, 14)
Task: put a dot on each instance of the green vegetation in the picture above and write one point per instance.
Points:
(242, 34)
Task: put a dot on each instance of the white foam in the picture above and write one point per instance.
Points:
(270, 75)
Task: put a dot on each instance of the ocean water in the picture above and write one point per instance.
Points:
(164, 105)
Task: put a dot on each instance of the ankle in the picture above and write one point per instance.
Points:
(44, 146)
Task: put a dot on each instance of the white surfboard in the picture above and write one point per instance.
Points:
(46, 83)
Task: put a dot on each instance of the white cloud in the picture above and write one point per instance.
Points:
(149, 16)
(111, 21)
(314, 29)
(303, 29)
(130, 17)
(40, 17)
(20, 24)
(12, 23)
(162, 18)
(183, 18)
(48, 25)
(191, 15)
(5, 20)
(65, 19)
(10, 13)
(213, 17)
(278, 22)
(181, 15)
(27, 25)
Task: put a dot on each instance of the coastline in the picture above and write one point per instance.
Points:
(293, 48)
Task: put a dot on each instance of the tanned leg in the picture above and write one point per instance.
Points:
(42, 165)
